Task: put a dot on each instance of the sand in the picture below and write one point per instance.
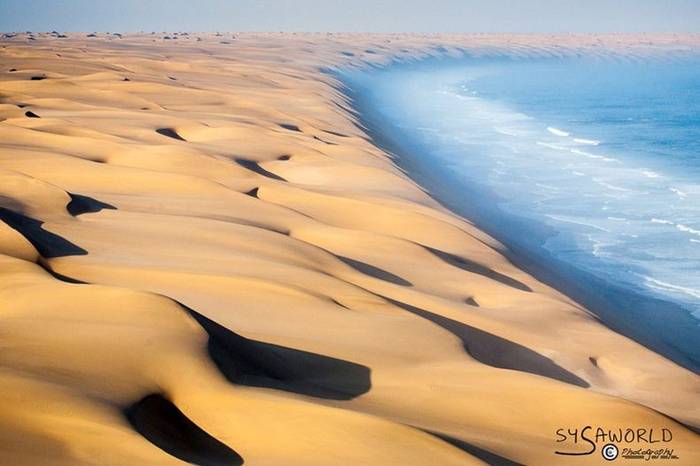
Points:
(204, 258)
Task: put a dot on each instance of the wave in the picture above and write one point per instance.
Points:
(551, 146)
(588, 142)
(679, 193)
(557, 131)
(663, 286)
(577, 152)
(575, 221)
(650, 174)
(678, 226)
(687, 229)
(593, 156)
(612, 186)
(506, 132)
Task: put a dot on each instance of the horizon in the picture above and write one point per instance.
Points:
(364, 16)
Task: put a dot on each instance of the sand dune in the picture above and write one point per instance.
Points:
(204, 258)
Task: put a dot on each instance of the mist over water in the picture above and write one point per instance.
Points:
(593, 160)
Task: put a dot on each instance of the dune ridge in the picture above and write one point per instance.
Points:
(204, 258)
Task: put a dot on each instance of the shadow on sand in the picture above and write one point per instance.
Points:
(164, 425)
(80, 204)
(495, 351)
(486, 456)
(257, 364)
(48, 244)
(256, 168)
(474, 267)
(373, 271)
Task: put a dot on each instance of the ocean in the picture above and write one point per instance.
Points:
(586, 165)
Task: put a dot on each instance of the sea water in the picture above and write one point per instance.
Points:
(592, 161)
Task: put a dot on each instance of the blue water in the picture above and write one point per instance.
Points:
(595, 161)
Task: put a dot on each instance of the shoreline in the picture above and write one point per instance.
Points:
(619, 308)
(203, 256)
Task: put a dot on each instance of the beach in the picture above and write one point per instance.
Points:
(206, 257)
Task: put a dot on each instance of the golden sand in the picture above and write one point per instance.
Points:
(203, 257)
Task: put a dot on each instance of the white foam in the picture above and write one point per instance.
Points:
(679, 226)
(563, 218)
(650, 174)
(593, 156)
(687, 229)
(663, 286)
(507, 132)
(557, 131)
(588, 142)
(551, 146)
(612, 186)
(679, 193)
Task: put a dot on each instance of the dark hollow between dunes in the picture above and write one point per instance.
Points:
(496, 351)
(80, 204)
(490, 458)
(171, 133)
(374, 272)
(474, 267)
(165, 426)
(256, 168)
(258, 364)
(289, 127)
(48, 244)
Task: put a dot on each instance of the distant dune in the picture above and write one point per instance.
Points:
(204, 258)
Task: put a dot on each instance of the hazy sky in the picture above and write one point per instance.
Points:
(345, 15)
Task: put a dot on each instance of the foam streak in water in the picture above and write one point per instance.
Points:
(557, 132)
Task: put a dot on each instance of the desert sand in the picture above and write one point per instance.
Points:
(204, 258)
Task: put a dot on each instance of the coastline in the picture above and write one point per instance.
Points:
(665, 328)
(197, 232)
